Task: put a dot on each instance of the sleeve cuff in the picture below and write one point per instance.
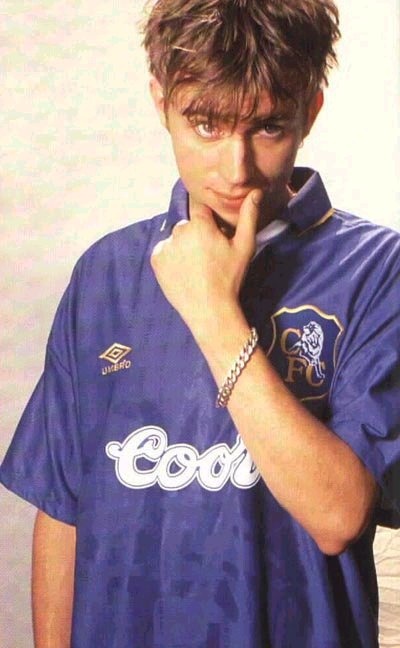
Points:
(60, 512)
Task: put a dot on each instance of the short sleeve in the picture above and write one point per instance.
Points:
(43, 463)
(365, 396)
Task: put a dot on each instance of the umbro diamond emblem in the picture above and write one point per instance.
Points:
(116, 355)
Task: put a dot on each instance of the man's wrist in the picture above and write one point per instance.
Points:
(218, 322)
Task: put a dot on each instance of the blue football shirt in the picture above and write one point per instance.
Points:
(179, 541)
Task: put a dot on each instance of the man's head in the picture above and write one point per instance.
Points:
(226, 63)
(230, 50)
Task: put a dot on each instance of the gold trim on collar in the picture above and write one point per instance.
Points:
(321, 221)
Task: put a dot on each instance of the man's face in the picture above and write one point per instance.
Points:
(220, 165)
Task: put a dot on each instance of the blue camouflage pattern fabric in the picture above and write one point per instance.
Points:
(179, 541)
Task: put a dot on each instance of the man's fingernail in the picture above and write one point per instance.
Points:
(257, 197)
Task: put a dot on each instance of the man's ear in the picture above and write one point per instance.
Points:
(313, 109)
(157, 94)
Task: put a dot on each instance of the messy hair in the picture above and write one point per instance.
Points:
(230, 51)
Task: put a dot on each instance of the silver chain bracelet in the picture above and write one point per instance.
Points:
(226, 390)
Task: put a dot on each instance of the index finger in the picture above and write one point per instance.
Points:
(200, 211)
(246, 228)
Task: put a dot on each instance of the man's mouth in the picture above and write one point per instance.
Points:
(230, 198)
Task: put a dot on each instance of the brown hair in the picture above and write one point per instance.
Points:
(232, 50)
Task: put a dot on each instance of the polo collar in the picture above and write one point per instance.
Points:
(309, 208)
(311, 205)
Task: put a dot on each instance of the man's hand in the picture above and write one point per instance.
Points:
(199, 269)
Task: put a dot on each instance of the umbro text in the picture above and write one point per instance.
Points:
(125, 364)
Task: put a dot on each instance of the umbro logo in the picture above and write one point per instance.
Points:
(116, 355)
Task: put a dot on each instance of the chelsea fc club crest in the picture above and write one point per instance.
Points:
(304, 348)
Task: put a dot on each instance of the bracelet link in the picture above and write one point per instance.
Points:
(224, 393)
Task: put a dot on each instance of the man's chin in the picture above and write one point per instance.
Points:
(225, 216)
(226, 225)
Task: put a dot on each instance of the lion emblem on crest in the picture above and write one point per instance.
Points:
(309, 347)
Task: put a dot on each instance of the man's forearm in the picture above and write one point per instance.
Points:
(310, 471)
(53, 564)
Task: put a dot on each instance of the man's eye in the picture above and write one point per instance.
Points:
(206, 130)
(272, 130)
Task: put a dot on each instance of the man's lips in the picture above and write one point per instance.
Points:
(230, 197)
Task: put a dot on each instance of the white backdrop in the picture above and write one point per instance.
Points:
(82, 153)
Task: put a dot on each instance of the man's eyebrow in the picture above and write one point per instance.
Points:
(258, 120)
(278, 115)
(191, 113)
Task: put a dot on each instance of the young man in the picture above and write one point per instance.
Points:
(218, 415)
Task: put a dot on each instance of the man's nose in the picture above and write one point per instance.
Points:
(236, 161)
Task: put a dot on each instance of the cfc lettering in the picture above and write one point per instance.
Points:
(310, 374)
(298, 364)
(145, 459)
(295, 366)
(284, 339)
